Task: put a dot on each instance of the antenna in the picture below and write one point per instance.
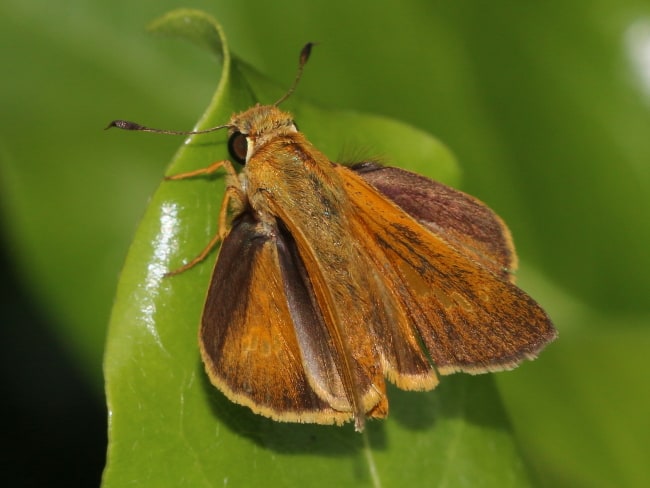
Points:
(128, 125)
(304, 57)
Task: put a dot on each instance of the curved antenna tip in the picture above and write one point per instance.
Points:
(305, 52)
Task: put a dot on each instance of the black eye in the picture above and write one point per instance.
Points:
(238, 147)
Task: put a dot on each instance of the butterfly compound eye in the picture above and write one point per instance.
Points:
(238, 147)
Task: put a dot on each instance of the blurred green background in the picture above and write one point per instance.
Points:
(545, 106)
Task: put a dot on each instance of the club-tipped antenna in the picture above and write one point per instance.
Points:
(134, 126)
(304, 57)
(127, 125)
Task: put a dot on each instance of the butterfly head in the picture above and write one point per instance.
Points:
(251, 129)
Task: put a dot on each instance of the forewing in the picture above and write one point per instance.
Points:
(469, 317)
(460, 219)
(320, 359)
(247, 337)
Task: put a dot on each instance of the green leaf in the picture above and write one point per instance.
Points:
(169, 426)
(548, 115)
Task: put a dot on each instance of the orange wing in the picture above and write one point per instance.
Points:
(262, 339)
(462, 220)
(469, 316)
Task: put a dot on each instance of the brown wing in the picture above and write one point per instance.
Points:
(467, 315)
(459, 218)
(262, 340)
(370, 337)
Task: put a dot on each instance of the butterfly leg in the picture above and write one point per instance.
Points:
(233, 194)
(225, 164)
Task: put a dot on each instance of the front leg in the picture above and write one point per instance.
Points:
(234, 196)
